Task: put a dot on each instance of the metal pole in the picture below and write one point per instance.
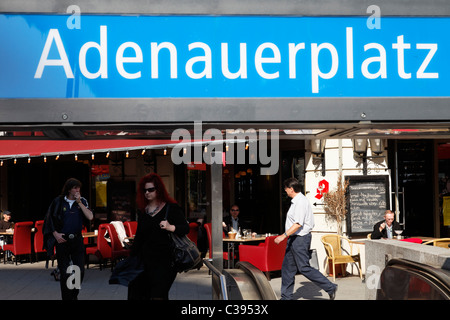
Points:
(397, 205)
(216, 215)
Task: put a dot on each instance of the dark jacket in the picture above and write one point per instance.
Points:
(53, 221)
(229, 224)
(5, 225)
(376, 234)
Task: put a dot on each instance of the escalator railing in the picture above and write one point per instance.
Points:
(408, 280)
(244, 282)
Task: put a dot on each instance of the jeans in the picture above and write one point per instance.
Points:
(296, 260)
(67, 253)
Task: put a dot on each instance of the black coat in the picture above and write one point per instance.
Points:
(53, 221)
(376, 234)
(229, 224)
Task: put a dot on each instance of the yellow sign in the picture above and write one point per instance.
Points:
(446, 211)
(100, 194)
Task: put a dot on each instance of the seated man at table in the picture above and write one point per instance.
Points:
(385, 228)
(6, 225)
(232, 221)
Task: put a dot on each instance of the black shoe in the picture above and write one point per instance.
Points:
(55, 274)
(332, 294)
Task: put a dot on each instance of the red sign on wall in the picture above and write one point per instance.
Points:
(322, 188)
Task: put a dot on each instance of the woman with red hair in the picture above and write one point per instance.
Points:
(152, 242)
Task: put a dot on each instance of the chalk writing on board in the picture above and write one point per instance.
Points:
(367, 199)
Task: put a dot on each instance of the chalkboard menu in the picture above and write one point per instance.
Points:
(368, 199)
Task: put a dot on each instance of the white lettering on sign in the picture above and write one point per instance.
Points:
(268, 59)
(421, 74)
(120, 59)
(63, 61)
(103, 52)
(259, 60)
(242, 72)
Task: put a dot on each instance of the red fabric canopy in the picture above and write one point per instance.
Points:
(33, 148)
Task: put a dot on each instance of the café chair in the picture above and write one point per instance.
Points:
(38, 240)
(209, 233)
(102, 250)
(130, 227)
(335, 255)
(193, 232)
(107, 250)
(267, 256)
(21, 241)
(117, 251)
(442, 242)
(86, 240)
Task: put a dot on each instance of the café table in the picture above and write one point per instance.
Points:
(92, 234)
(425, 239)
(231, 245)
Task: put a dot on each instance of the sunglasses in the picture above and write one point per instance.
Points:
(149, 189)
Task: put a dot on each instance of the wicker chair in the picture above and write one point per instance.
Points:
(442, 242)
(332, 243)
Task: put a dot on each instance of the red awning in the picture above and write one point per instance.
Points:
(34, 148)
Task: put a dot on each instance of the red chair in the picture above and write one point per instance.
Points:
(193, 232)
(21, 240)
(130, 227)
(208, 232)
(117, 251)
(85, 240)
(103, 248)
(38, 238)
(267, 256)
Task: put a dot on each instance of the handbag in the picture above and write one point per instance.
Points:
(185, 255)
(126, 271)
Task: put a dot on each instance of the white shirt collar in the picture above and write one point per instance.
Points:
(296, 198)
(69, 201)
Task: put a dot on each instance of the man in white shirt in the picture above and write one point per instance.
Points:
(299, 223)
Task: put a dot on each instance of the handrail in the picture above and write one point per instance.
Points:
(264, 288)
(222, 282)
(440, 278)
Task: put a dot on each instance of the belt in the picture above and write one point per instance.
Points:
(71, 236)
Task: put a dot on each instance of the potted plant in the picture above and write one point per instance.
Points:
(335, 203)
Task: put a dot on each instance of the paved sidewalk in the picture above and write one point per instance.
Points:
(31, 281)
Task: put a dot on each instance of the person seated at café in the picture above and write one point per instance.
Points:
(232, 222)
(6, 225)
(385, 228)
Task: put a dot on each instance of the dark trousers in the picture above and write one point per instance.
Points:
(296, 260)
(70, 251)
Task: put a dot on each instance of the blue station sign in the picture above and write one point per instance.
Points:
(45, 56)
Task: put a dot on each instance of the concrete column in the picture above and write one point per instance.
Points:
(216, 215)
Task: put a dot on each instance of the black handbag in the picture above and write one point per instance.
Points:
(126, 271)
(186, 255)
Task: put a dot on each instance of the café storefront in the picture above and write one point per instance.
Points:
(298, 73)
